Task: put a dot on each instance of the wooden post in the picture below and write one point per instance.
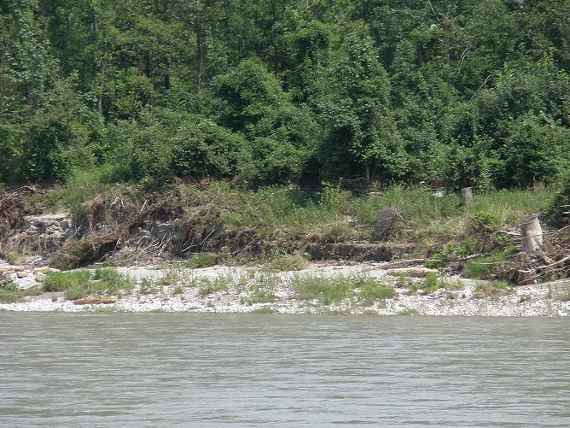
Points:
(531, 236)
(467, 196)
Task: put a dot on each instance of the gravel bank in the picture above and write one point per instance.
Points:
(175, 290)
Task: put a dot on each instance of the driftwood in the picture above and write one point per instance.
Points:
(412, 272)
(94, 300)
(404, 264)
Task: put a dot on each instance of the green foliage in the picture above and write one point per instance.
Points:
(287, 263)
(484, 267)
(61, 281)
(203, 260)
(338, 232)
(434, 282)
(470, 93)
(330, 291)
(556, 214)
(431, 283)
(262, 289)
(492, 289)
(252, 102)
(11, 293)
(373, 291)
(210, 286)
(80, 284)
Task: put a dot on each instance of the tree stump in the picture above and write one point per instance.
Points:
(531, 236)
(467, 196)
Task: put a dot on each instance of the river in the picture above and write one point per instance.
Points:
(133, 370)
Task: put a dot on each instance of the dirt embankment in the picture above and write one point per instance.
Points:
(123, 227)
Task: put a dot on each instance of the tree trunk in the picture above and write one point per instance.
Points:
(201, 41)
(531, 235)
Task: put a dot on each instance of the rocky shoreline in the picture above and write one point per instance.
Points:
(160, 289)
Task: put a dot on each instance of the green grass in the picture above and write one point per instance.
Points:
(510, 206)
(203, 260)
(438, 226)
(80, 284)
(272, 208)
(287, 263)
(434, 282)
(484, 267)
(276, 208)
(492, 289)
(261, 289)
(372, 291)
(264, 310)
(408, 312)
(261, 296)
(210, 286)
(11, 293)
(148, 286)
(439, 221)
(331, 291)
(61, 281)
(339, 232)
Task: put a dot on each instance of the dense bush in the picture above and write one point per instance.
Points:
(470, 93)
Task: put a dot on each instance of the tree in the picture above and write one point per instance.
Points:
(361, 122)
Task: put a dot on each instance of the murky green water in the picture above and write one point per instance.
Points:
(64, 370)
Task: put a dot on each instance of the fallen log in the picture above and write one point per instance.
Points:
(404, 263)
(94, 300)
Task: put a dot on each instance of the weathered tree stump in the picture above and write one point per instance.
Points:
(467, 196)
(531, 236)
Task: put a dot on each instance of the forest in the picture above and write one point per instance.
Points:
(469, 92)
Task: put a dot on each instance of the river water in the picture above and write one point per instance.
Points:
(133, 370)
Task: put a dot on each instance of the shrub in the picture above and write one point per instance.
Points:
(261, 296)
(203, 260)
(340, 232)
(371, 291)
(327, 291)
(80, 284)
(208, 286)
(492, 289)
(11, 293)
(334, 290)
(556, 213)
(61, 281)
(288, 263)
(484, 267)
(434, 282)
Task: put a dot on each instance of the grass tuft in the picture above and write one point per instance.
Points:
(11, 293)
(492, 289)
(434, 282)
(80, 284)
(203, 260)
(334, 290)
(210, 286)
(287, 263)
